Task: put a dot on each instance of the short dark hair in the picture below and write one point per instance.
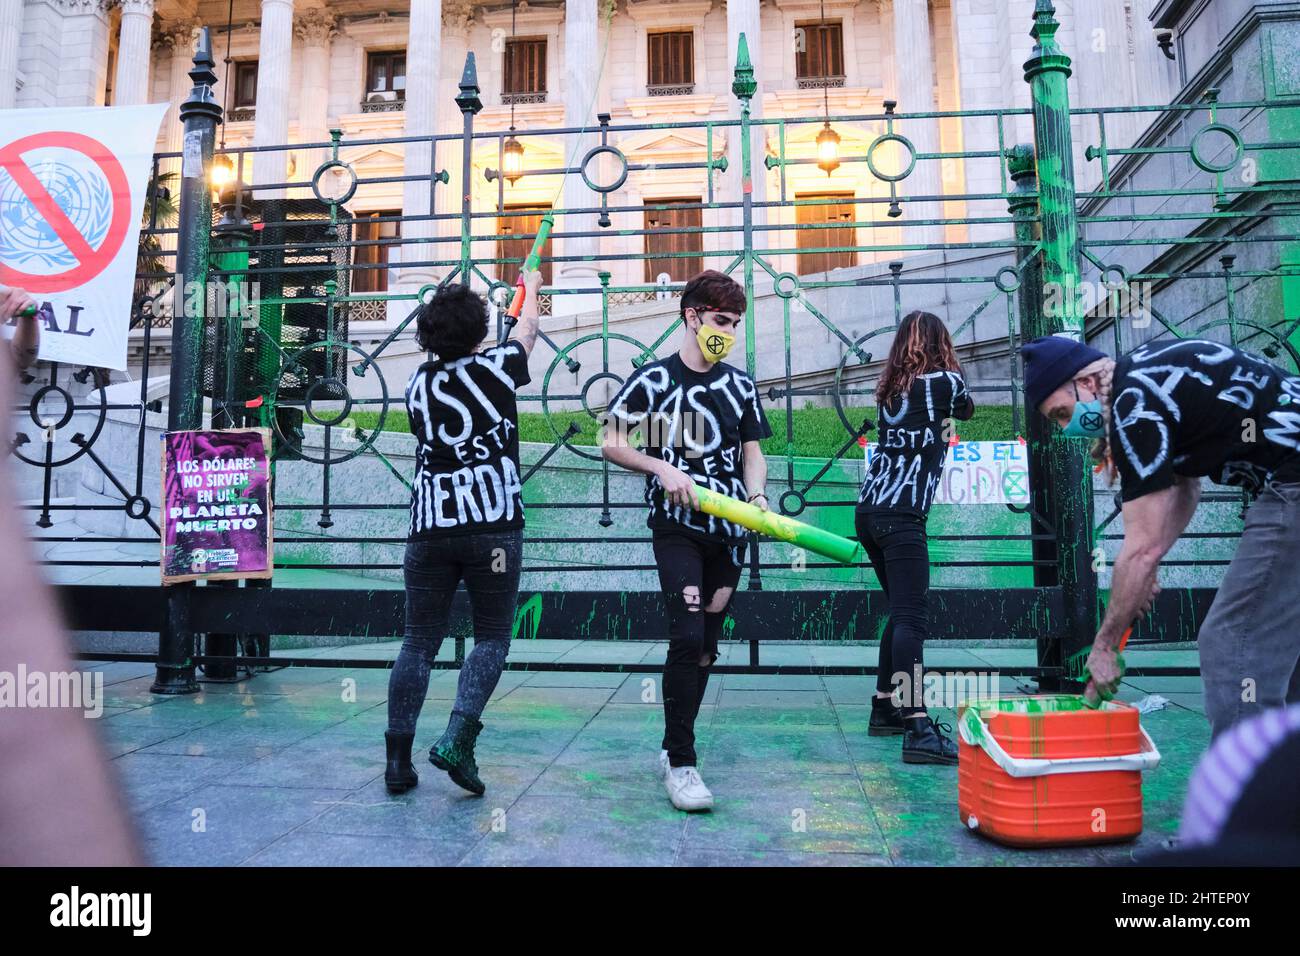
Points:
(713, 290)
(453, 323)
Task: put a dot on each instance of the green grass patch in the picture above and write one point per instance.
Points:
(817, 432)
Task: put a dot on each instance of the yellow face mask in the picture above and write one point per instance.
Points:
(714, 343)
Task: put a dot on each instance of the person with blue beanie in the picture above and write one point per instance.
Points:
(1165, 416)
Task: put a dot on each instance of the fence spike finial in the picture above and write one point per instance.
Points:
(743, 85)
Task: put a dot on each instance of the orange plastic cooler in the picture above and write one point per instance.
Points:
(1049, 770)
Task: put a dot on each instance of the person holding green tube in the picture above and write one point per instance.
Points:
(701, 421)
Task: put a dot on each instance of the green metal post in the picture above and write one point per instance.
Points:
(1066, 471)
(470, 103)
(1046, 72)
(1022, 204)
(200, 114)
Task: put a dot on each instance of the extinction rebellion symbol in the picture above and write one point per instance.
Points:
(69, 221)
(1091, 421)
(715, 344)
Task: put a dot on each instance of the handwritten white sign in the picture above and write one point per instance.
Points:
(981, 473)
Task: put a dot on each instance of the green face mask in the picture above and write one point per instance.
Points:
(714, 343)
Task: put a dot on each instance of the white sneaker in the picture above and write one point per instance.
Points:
(686, 790)
(663, 763)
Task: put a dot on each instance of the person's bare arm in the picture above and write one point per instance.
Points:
(616, 446)
(526, 329)
(755, 474)
(1152, 524)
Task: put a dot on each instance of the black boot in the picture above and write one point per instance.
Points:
(454, 752)
(886, 719)
(399, 775)
(925, 741)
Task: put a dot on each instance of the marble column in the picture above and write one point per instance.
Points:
(271, 123)
(131, 85)
(581, 68)
(316, 29)
(65, 59)
(743, 16)
(457, 20)
(914, 90)
(979, 37)
(178, 38)
(423, 68)
(11, 28)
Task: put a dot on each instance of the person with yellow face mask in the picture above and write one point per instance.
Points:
(700, 420)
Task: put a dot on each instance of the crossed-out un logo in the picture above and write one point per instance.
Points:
(27, 237)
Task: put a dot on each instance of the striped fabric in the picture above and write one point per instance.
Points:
(1227, 768)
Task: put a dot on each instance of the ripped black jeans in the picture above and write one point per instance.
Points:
(691, 572)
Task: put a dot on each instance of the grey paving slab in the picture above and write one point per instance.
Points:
(152, 779)
(575, 679)
(337, 850)
(793, 700)
(219, 825)
(339, 762)
(562, 831)
(694, 856)
(239, 739)
(773, 682)
(803, 812)
(771, 712)
(436, 809)
(776, 749)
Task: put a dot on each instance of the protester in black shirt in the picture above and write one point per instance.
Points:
(1167, 415)
(466, 522)
(701, 422)
(920, 391)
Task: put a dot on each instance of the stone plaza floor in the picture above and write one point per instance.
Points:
(286, 768)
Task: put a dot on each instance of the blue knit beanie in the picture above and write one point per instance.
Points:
(1050, 362)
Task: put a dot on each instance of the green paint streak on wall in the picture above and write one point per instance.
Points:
(529, 615)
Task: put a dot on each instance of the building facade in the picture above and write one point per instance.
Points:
(292, 70)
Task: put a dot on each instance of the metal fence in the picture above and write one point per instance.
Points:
(987, 230)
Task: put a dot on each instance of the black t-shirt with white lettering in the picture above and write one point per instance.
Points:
(904, 475)
(464, 418)
(698, 421)
(1195, 408)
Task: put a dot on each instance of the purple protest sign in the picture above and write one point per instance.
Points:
(216, 509)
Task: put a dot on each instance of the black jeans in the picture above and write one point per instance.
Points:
(489, 565)
(691, 571)
(896, 544)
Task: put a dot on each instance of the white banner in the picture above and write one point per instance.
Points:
(72, 191)
(981, 473)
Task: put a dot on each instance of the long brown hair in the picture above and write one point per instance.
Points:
(921, 344)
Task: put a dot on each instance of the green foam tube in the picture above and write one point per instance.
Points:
(531, 262)
(778, 526)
